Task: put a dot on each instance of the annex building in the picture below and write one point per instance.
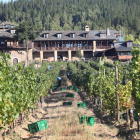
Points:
(60, 45)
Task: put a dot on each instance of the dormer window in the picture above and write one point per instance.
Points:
(85, 35)
(103, 35)
(72, 35)
(59, 35)
(12, 31)
(46, 35)
(129, 44)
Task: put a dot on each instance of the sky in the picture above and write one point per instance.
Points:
(5, 1)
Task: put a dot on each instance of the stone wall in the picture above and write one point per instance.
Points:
(21, 56)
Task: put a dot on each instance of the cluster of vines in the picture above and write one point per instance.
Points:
(21, 88)
(99, 81)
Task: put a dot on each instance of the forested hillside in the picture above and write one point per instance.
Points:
(75, 14)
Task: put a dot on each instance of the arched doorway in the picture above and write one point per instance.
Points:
(15, 61)
(60, 58)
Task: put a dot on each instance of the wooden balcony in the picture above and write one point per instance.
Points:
(103, 47)
(111, 57)
(124, 57)
(64, 48)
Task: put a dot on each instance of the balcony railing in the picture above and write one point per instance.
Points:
(14, 45)
(64, 48)
(111, 57)
(103, 47)
(124, 57)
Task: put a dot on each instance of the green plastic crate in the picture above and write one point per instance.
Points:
(63, 89)
(76, 89)
(82, 119)
(81, 104)
(98, 101)
(135, 115)
(67, 103)
(71, 87)
(55, 87)
(123, 116)
(37, 126)
(70, 95)
(89, 119)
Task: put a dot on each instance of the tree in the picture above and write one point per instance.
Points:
(78, 54)
(24, 32)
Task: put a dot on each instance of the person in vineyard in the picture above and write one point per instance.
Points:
(59, 81)
(49, 67)
(68, 73)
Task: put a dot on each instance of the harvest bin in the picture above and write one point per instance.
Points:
(123, 116)
(63, 89)
(71, 87)
(55, 87)
(90, 120)
(67, 103)
(70, 95)
(81, 104)
(135, 113)
(37, 126)
(76, 89)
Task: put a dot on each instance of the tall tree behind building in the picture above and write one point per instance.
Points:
(75, 14)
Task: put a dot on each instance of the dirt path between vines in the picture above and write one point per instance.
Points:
(63, 121)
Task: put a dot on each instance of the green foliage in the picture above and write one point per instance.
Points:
(21, 88)
(69, 14)
(78, 54)
(129, 37)
(136, 77)
(26, 31)
(96, 84)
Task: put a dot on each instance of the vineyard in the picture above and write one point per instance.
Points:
(102, 83)
(22, 88)
(113, 88)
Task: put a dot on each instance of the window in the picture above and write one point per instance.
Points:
(71, 45)
(129, 44)
(13, 31)
(79, 45)
(73, 35)
(128, 53)
(2, 42)
(67, 45)
(44, 45)
(85, 44)
(7, 26)
(47, 35)
(103, 35)
(59, 35)
(122, 53)
(85, 34)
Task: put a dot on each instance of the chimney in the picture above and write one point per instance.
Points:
(86, 28)
(107, 31)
